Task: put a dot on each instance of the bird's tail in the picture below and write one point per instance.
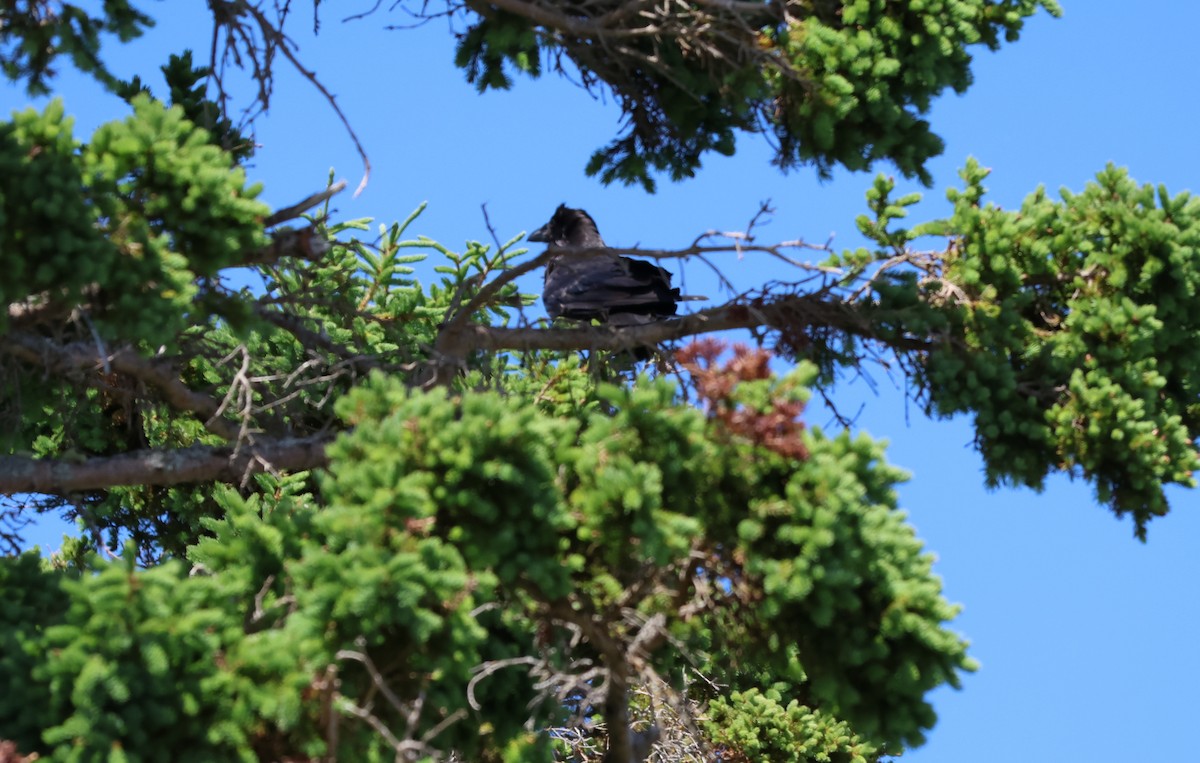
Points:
(692, 298)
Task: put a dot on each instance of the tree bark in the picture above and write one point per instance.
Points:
(198, 463)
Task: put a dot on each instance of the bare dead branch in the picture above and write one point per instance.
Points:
(487, 669)
(241, 390)
(410, 711)
(360, 656)
(276, 36)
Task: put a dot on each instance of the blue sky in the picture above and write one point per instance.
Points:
(1084, 634)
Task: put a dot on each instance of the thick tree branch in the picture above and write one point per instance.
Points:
(157, 373)
(793, 312)
(549, 17)
(198, 463)
(303, 243)
(299, 208)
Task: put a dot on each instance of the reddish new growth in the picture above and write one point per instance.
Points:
(778, 428)
(9, 753)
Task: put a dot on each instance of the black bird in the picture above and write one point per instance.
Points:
(584, 282)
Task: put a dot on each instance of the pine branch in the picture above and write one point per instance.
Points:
(303, 243)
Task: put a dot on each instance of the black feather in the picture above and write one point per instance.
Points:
(586, 282)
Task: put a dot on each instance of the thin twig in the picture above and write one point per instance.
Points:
(279, 38)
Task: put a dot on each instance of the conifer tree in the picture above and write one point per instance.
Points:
(355, 516)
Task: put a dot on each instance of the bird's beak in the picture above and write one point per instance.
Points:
(541, 235)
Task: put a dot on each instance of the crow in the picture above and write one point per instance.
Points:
(584, 282)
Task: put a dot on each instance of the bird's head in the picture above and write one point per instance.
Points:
(568, 228)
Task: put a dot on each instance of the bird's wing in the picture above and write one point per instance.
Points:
(595, 286)
(647, 271)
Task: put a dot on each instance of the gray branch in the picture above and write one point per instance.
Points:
(198, 463)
